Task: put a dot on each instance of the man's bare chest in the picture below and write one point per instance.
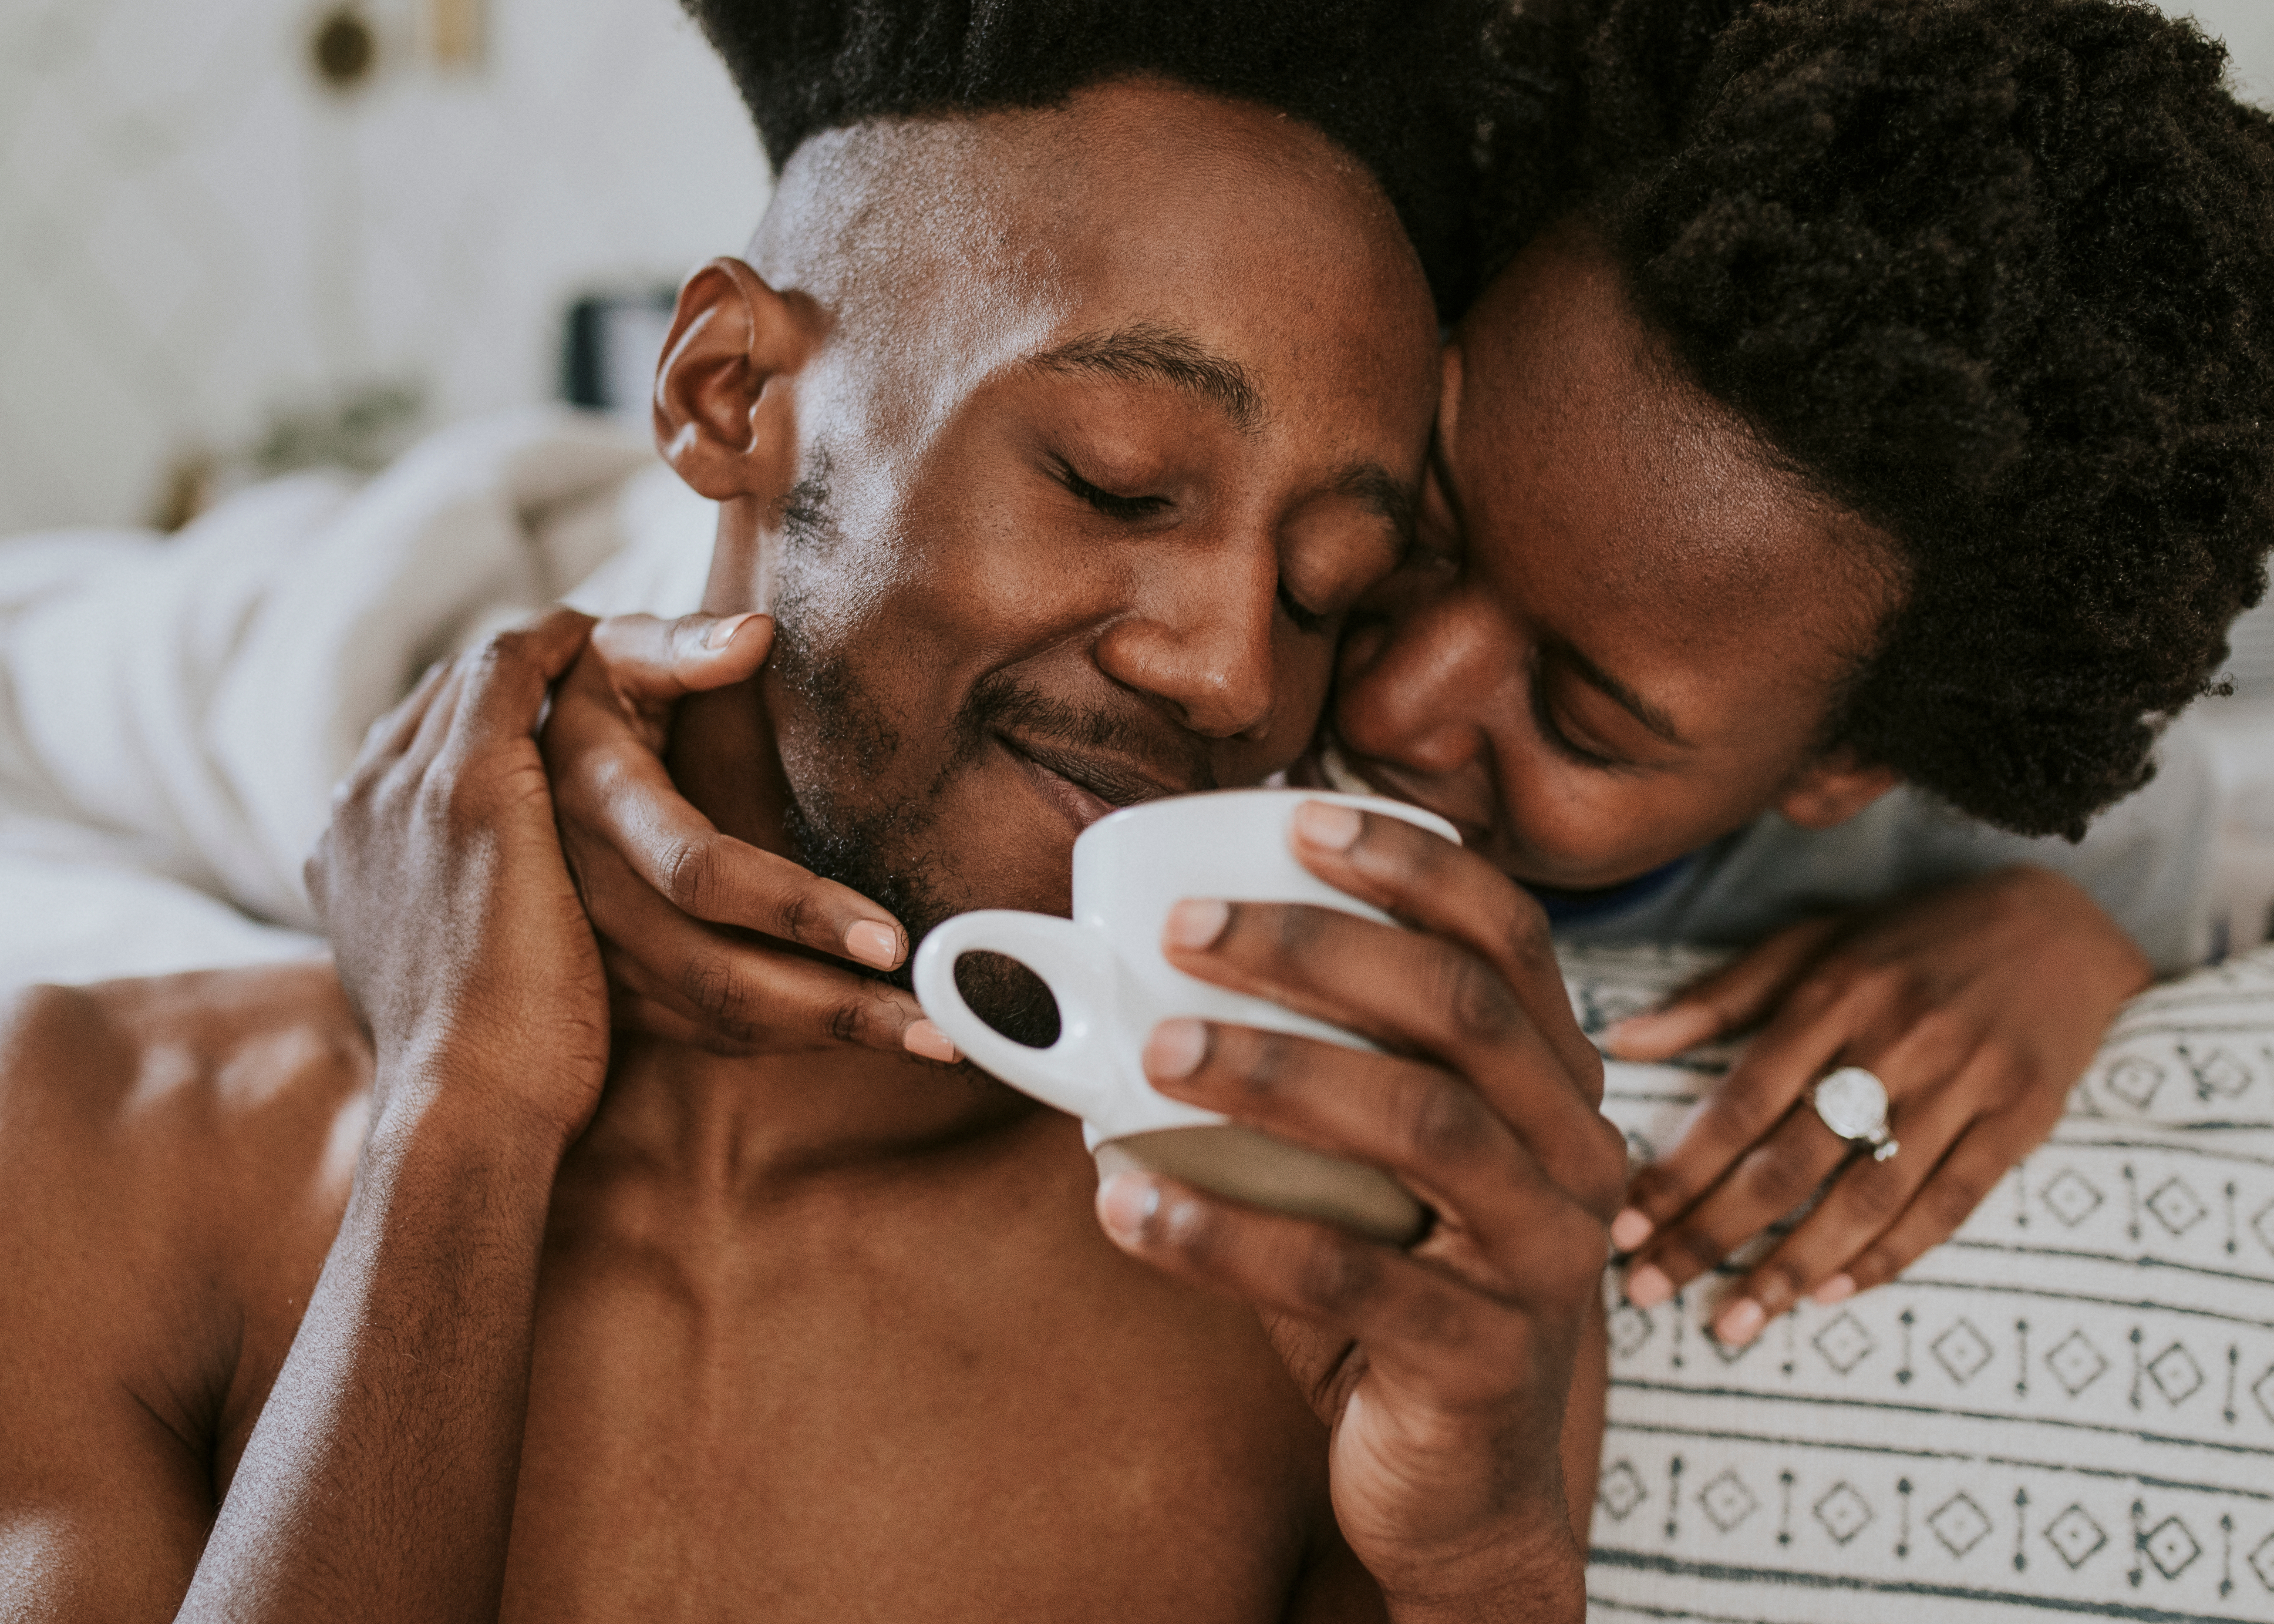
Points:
(942, 1426)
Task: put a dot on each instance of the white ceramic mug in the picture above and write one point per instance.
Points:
(1105, 969)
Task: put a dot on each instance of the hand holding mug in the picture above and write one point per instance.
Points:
(1463, 1378)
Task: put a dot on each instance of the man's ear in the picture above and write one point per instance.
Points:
(723, 414)
(1832, 790)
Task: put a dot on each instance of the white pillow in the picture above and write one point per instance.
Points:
(2066, 1409)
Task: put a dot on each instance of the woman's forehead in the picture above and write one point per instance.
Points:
(1610, 496)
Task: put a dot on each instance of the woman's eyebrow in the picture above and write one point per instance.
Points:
(1147, 352)
(1620, 694)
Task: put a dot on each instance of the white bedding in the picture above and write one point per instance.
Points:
(174, 710)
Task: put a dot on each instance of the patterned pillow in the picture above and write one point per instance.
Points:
(2065, 1410)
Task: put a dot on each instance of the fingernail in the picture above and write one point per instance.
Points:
(1647, 1285)
(1633, 1027)
(1126, 1203)
(1671, 1030)
(924, 1038)
(1175, 1048)
(873, 943)
(1324, 823)
(722, 632)
(1740, 1322)
(1194, 923)
(1631, 1229)
(1839, 1289)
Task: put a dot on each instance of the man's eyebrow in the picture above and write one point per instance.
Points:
(1146, 352)
(1627, 700)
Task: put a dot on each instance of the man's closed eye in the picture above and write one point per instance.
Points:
(1112, 504)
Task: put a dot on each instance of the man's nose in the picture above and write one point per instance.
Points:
(1201, 643)
(1430, 690)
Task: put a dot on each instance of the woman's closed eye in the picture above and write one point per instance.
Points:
(1307, 621)
(1558, 738)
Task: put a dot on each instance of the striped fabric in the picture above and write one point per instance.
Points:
(2066, 1411)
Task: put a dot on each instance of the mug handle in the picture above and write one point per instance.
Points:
(1076, 1073)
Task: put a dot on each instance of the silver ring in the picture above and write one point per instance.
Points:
(1853, 1104)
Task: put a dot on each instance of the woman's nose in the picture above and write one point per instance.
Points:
(1421, 687)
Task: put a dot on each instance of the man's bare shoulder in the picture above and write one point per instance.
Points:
(175, 1155)
(208, 1105)
(208, 1056)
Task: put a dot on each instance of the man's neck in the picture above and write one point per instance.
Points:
(736, 1125)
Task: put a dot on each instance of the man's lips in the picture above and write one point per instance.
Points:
(1087, 786)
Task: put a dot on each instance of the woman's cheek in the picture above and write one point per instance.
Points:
(1573, 827)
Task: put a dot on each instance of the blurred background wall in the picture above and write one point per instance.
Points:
(215, 260)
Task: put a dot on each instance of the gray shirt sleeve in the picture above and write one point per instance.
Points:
(2147, 861)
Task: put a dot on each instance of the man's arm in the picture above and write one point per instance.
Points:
(380, 1481)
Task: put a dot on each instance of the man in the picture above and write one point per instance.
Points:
(489, 1317)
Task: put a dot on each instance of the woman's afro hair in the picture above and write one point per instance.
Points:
(1999, 274)
(1398, 84)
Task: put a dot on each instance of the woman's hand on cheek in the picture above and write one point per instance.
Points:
(671, 898)
(455, 925)
(1444, 1371)
(1978, 1006)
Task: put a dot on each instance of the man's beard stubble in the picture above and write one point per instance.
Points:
(881, 851)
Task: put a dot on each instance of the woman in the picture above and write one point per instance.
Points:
(1856, 395)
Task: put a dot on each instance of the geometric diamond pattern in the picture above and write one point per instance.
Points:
(1959, 1525)
(2177, 1207)
(1631, 1328)
(2071, 1198)
(1963, 1350)
(2170, 1547)
(2176, 1374)
(2135, 1081)
(1728, 1501)
(2076, 1536)
(2076, 1363)
(1843, 1513)
(2058, 1313)
(1844, 1343)
(2262, 1562)
(1620, 1490)
(2221, 1077)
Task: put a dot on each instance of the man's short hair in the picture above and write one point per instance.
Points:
(1398, 84)
(1998, 274)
